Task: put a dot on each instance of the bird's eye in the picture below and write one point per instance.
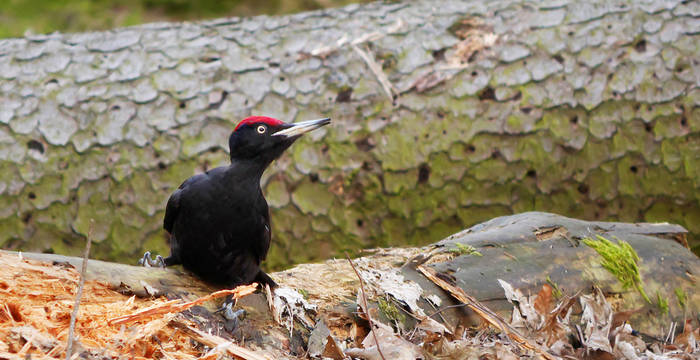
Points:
(261, 129)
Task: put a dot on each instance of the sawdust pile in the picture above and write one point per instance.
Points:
(36, 301)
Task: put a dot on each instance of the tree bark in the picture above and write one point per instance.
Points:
(443, 116)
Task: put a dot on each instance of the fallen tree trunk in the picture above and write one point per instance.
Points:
(526, 251)
(443, 116)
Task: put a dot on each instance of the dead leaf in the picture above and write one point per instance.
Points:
(597, 314)
(333, 350)
(431, 325)
(530, 316)
(688, 339)
(543, 302)
(622, 317)
(391, 345)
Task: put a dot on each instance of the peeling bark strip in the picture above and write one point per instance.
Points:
(587, 109)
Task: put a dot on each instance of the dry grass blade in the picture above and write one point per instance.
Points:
(178, 305)
(79, 293)
(485, 313)
(214, 341)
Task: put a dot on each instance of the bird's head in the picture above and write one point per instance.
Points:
(264, 139)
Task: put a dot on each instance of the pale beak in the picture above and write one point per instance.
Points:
(300, 128)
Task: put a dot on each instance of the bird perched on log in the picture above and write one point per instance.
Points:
(219, 222)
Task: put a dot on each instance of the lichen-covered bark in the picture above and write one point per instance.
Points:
(585, 109)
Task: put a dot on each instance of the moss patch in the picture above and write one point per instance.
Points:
(462, 249)
(681, 296)
(390, 310)
(621, 260)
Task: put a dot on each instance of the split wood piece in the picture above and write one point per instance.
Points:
(485, 313)
(178, 306)
(216, 341)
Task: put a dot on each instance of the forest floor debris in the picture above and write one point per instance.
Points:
(36, 300)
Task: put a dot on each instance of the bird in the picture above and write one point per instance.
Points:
(219, 220)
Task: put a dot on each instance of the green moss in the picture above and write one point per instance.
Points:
(620, 260)
(303, 293)
(442, 169)
(321, 224)
(402, 150)
(662, 303)
(476, 214)
(671, 155)
(59, 217)
(125, 240)
(395, 182)
(464, 249)
(10, 228)
(313, 198)
(556, 291)
(629, 172)
(497, 170)
(690, 149)
(681, 296)
(394, 230)
(390, 311)
(157, 243)
(602, 182)
(276, 193)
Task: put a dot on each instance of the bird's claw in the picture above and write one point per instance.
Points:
(146, 260)
(233, 317)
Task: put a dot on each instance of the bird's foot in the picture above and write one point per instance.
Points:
(232, 317)
(146, 260)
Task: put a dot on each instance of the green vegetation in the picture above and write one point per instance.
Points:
(39, 16)
(303, 293)
(556, 291)
(661, 303)
(462, 249)
(621, 260)
(681, 296)
(390, 310)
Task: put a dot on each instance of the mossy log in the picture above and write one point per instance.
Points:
(525, 250)
(443, 116)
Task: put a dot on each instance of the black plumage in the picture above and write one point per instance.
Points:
(219, 221)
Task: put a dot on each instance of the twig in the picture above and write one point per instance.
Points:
(671, 332)
(344, 40)
(389, 89)
(214, 341)
(79, 293)
(485, 313)
(438, 311)
(364, 301)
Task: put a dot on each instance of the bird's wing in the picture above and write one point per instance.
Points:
(171, 211)
(264, 245)
(173, 206)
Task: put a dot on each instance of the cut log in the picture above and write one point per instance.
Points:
(580, 108)
(525, 250)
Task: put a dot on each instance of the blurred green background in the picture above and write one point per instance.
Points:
(42, 16)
